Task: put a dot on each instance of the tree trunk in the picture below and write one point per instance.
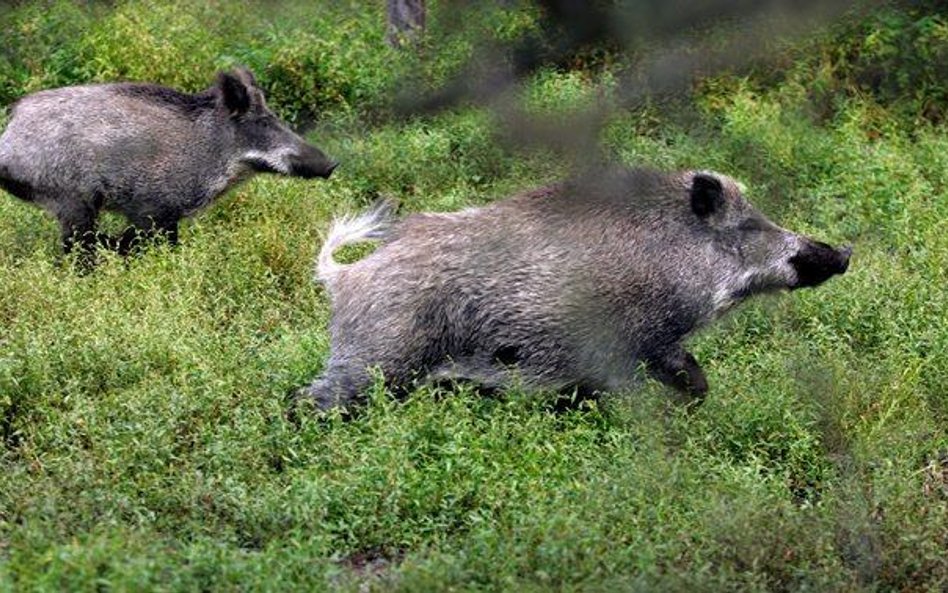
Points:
(406, 20)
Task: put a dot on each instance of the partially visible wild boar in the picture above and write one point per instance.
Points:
(568, 287)
(149, 152)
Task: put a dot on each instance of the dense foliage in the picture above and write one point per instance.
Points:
(142, 407)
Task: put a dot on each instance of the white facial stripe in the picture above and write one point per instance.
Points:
(278, 160)
(774, 274)
(723, 297)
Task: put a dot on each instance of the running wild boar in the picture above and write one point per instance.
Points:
(149, 152)
(570, 287)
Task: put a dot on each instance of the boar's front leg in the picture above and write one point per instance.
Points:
(677, 368)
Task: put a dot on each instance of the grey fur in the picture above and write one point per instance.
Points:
(149, 152)
(573, 286)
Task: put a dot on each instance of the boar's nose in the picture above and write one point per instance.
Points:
(817, 262)
(311, 162)
(845, 253)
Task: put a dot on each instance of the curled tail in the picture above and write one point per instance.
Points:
(374, 224)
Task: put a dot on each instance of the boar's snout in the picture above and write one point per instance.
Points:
(817, 262)
(311, 162)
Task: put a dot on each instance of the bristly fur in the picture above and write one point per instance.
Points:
(187, 104)
(570, 287)
(372, 225)
(150, 153)
(20, 190)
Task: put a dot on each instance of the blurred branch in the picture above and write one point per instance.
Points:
(668, 44)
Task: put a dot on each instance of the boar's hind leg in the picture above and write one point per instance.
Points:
(337, 387)
(146, 230)
(77, 226)
(679, 369)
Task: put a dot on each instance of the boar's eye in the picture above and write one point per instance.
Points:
(263, 122)
(272, 120)
(751, 225)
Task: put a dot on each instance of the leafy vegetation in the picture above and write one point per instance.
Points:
(145, 443)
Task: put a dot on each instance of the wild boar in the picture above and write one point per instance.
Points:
(572, 287)
(149, 152)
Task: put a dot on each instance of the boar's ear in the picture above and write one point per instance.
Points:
(707, 194)
(246, 75)
(234, 93)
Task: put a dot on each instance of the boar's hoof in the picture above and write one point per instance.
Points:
(303, 402)
(321, 397)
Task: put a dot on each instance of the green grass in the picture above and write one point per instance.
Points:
(142, 407)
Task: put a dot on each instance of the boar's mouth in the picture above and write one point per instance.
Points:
(817, 262)
(263, 166)
(295, 167)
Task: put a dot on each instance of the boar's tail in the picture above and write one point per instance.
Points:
(372, 225)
